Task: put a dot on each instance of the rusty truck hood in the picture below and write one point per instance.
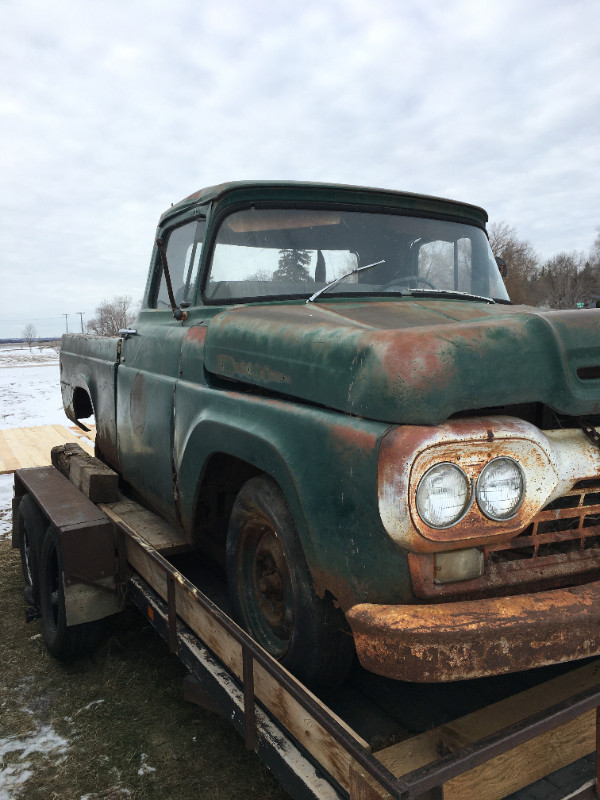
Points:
(411, 361)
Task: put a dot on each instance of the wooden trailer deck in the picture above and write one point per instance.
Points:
(30, 447)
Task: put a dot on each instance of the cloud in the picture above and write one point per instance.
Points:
(109, 113)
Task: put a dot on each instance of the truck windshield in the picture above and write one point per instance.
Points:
(292, 253)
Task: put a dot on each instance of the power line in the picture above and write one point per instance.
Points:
(19, 320)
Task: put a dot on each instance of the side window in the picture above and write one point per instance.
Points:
(184, 246)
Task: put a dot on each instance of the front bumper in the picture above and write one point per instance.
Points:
(471, 639)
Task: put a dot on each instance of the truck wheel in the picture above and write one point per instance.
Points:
(30, 532)
(64, 642)
(272, 592)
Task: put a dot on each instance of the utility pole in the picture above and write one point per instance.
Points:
(66, 316)
(81, 313)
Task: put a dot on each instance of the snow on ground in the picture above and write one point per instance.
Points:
(6, 493)
(21, 354)
(44, 741)
(30, 387)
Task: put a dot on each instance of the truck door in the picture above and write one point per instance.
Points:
(149, 370)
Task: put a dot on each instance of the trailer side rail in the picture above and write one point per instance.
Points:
(334, 747)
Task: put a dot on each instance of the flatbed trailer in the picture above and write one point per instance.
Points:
(526, 736)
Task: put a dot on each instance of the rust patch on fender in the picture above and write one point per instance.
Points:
(353, 437)
(324, 582)
(196, 335)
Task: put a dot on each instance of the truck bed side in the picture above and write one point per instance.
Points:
(88, 366)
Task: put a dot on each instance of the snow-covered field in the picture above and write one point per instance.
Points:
(29, 387)
(29, 395)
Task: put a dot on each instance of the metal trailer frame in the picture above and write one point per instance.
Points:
(302, 756)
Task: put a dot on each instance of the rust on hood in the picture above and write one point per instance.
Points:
(409, 362)
(472, 639)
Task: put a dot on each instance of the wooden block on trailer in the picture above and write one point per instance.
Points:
(97, 481)
(62, 454)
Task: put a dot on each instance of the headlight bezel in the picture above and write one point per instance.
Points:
(466, 507)
(407, 452)
(478, 488)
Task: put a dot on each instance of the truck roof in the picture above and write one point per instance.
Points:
(310, 192)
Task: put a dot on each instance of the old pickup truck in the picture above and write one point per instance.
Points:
(330, 394)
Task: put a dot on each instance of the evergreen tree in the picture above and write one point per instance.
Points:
(292, 266)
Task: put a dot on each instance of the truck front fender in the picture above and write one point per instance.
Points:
(325, 463)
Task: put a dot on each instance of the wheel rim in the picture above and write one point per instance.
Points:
(27, 556)
(268, 596)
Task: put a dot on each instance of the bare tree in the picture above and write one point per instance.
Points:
(595, 253)
(522, 263)
(568, 279)
(29, 334)
(111, 316)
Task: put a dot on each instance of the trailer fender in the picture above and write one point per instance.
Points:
(87, 542)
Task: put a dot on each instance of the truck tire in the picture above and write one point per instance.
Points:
(31, 526)
(64, 642)
(272, 592)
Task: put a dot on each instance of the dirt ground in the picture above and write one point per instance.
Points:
(111, 726)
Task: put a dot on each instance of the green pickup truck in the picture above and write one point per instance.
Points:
(330, 394)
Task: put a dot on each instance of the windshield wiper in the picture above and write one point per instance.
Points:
(451, 293)
(329, 285)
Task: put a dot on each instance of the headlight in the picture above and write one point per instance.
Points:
(500, 489)
(443, 495)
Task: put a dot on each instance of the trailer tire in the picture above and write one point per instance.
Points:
(272, 591)
(64, 642)
(30, 528)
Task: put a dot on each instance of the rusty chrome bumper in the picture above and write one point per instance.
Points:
(471, 639)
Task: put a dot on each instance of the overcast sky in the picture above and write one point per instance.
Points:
(111, 111)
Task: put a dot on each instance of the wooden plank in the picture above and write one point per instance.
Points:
(292, 715)
(8, 460)
(515, 769)
(30, 447)
(528, 763)
(161, 535)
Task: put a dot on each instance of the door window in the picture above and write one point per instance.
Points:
(184, 247)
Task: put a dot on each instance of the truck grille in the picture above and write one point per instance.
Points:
(561, 547)
(568, 525)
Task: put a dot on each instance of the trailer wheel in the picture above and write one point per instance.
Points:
(64, 642)
(30, 533)
(272, 592)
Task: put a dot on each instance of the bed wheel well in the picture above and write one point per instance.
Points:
(82, 404)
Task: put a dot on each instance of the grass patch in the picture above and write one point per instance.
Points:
(111, 726)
